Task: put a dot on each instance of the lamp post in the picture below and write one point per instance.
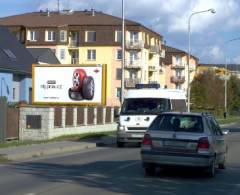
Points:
(123, 51)
(189, 51)
(225, 79)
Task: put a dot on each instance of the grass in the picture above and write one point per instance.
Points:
(3, 159)
(76, 137)
(230, 119)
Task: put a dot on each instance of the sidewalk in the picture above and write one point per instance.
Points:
(38, 150)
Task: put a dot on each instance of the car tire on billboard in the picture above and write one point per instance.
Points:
(88, 88)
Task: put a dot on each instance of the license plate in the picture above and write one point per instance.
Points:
(137, 135)
(175, 143)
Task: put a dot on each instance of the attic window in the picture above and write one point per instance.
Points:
(10, 54)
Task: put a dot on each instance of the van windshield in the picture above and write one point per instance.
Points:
(139, 106)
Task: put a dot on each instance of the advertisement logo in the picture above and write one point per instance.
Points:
(51, 84)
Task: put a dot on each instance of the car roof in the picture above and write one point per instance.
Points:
(187, 113)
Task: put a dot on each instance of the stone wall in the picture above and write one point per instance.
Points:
(37, 123)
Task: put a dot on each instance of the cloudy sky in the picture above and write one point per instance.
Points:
(210, 33)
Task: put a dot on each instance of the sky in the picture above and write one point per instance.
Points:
(211, 34)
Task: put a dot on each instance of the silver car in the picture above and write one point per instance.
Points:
(184, 139)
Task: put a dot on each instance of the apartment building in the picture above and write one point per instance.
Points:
(220, 69)
(91, 37)
(176, 62)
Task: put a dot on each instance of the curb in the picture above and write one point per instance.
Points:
(46, 151)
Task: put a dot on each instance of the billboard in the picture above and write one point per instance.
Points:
(69, 84)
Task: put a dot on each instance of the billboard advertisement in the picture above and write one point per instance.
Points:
(68, 84)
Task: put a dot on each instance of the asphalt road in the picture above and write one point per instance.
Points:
(111, 170)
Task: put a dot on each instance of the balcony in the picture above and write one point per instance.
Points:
(130, 83)
(135, 45)
(178, 66)
(74, 44)
(154, 49)
(136, 64)
(178, 79)
(152, 68)
(74, 61)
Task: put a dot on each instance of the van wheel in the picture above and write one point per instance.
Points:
(120, 144)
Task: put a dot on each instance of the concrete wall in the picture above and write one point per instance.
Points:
(48, 130)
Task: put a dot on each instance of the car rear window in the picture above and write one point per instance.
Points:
(175, 122)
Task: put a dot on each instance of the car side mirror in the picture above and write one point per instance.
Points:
(225, 131)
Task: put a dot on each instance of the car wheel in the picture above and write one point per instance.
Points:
(150, 170)
(211, 169)
(120, 144)
(88, 88)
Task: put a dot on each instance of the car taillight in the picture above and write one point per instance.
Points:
(147, 141)
(203, 143)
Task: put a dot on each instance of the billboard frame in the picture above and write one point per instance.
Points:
(104, 85)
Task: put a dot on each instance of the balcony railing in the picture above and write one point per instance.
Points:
(74, 44)
(152, 68)
(155, 49)
(134, 45)
(133, 64)
(178, 66)
(178, 79)
(75, 61)
(130, 83)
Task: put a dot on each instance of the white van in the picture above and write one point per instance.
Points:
(141, 106)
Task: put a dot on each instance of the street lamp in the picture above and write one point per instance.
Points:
(225, 79)
(123, 51)
(189, 51)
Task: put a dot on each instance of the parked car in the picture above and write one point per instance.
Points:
(184, 139)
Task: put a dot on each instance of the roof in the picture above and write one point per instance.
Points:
(74, 18)
(14, 57)
(169, 51)
(186, 113)
(44, 55)
(156, 93)
(231, 67)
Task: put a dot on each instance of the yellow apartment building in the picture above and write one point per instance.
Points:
(176, 68)
(91, 37)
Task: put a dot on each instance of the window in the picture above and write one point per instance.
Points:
(133, 36)
(91, 55)
(118, 92)
(179, 60)
(119, 74)
(14, 93)
(174, 122)
(62, 54)
(118, 36)
(133, 56)
(91, 36)
(10, 54)
(51, 36)
(32, 36)
(63, 36)
(119, 54)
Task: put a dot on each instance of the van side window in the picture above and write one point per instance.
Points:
(179, 105)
